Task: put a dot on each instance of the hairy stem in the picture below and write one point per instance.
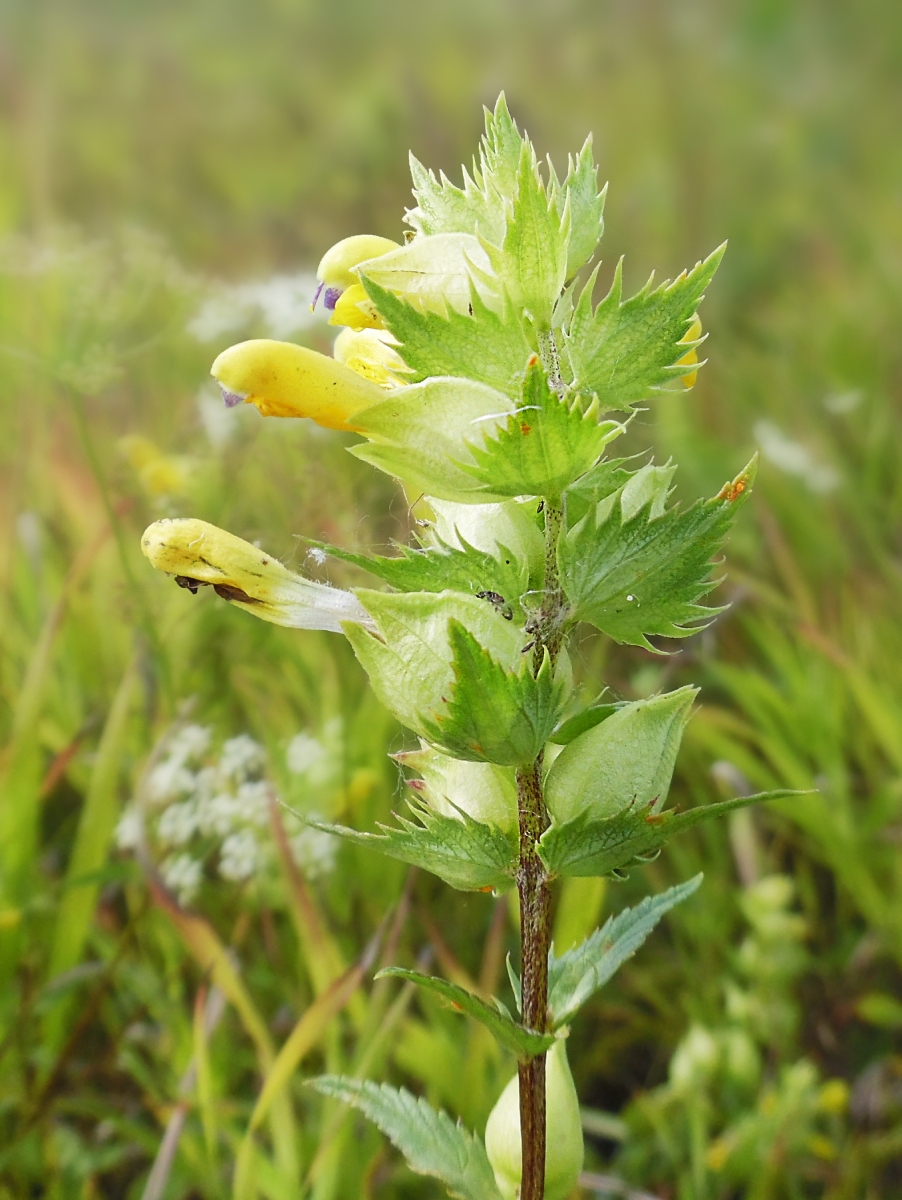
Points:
(535, 934)
(534, 890)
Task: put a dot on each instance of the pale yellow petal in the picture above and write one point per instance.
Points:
(286, 380)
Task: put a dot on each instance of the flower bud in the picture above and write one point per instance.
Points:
(692, 334)
(563, 1136)
(286, 380)
(201, 555)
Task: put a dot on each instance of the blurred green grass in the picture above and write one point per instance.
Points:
(149, 151)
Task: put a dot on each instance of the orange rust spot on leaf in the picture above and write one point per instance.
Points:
(533, 360)
(732, 491)
(487, 889)
(525, 429)
(654, 819)
(476, 746)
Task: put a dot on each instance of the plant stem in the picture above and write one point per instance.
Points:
(534, 890)
(535, 934)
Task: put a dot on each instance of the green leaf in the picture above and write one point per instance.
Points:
(421, 434)
(623, 762)
(532, 261)
(580, 189)
(481, 344)
(432, 1144)
(466, 854)
(500, 151)
(494, 714)
(579, 973)
(479, 207)
(523, 1042)
(544, 445)
(643, 576)
(601, 481)
(585, 846)
(442, 567)
(625, 349)
(412, 664)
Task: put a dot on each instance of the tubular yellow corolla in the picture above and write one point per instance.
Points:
(199, 555)
(286, 380)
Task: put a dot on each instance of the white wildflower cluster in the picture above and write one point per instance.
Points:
(201, 810)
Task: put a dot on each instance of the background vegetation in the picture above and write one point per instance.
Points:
(153, 156)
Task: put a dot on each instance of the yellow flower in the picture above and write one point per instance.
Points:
(201, 555)
(286, 380)
(337, 273)
(159, 474)
(692, 334)
(371, 353)
(355, 309)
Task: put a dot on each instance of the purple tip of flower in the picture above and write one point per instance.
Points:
(316, 297)
(330, 297)
(230, 399)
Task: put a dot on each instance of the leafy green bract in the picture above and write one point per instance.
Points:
(544, 445)
(495, 714)
(642, 576)
(523, 1042)
(430, 1141)
(623, 350)
(467, 854)
(479, 343)
(441, 567)
(576, 975)
(586, 846)
(531, 263)
(410, 661)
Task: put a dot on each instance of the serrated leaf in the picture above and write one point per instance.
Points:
(421, 433)
(587, 492)
(579, 973)
(580, 189)
(432, 1144)
(624, 350)
(532, 261)
(625, 762)
(480, 206)
(494, 714)
(442, 567)
(500, 151)
(442, 207)
(544, 445)
(466, 854)
(411, 659)
(642, 577)
(524, 1043)
(478, 343)
(584, 846)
